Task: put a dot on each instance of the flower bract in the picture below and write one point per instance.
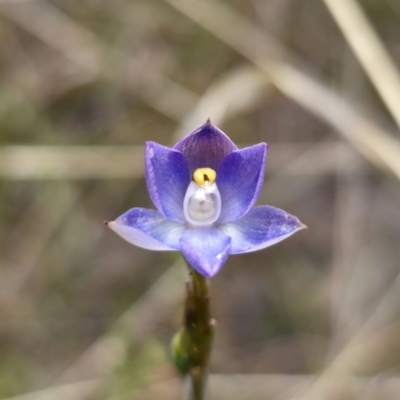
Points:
(204, 190)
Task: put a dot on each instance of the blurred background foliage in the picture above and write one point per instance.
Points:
(83, 84)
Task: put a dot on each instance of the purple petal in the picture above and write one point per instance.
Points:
(148, 229)
(240, 177)
(261, 227)
(205, 147)
(167, 178)
(205, 249)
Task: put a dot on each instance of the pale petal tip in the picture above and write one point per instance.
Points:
(109, 224)
(303, 226)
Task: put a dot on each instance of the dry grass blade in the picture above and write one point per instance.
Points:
(373, 348)
(71, 162)
(350, 224)
(74, 391)
(127, 162)
(14, 279)
(376, 145)
(238, 90)
(369, 50)
(136, 323)
(286, 387)
(274, 387)
(75, 42)
(224, 387)
(60, 32)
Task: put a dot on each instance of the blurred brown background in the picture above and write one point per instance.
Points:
(83, 84)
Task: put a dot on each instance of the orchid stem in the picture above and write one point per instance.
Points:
(191, 346)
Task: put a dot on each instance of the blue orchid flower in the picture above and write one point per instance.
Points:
(204, 190)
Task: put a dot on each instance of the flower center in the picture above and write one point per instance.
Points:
(202, 203)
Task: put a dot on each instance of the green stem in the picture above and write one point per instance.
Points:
(192, 344)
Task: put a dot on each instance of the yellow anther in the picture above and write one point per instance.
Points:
(204, 175)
